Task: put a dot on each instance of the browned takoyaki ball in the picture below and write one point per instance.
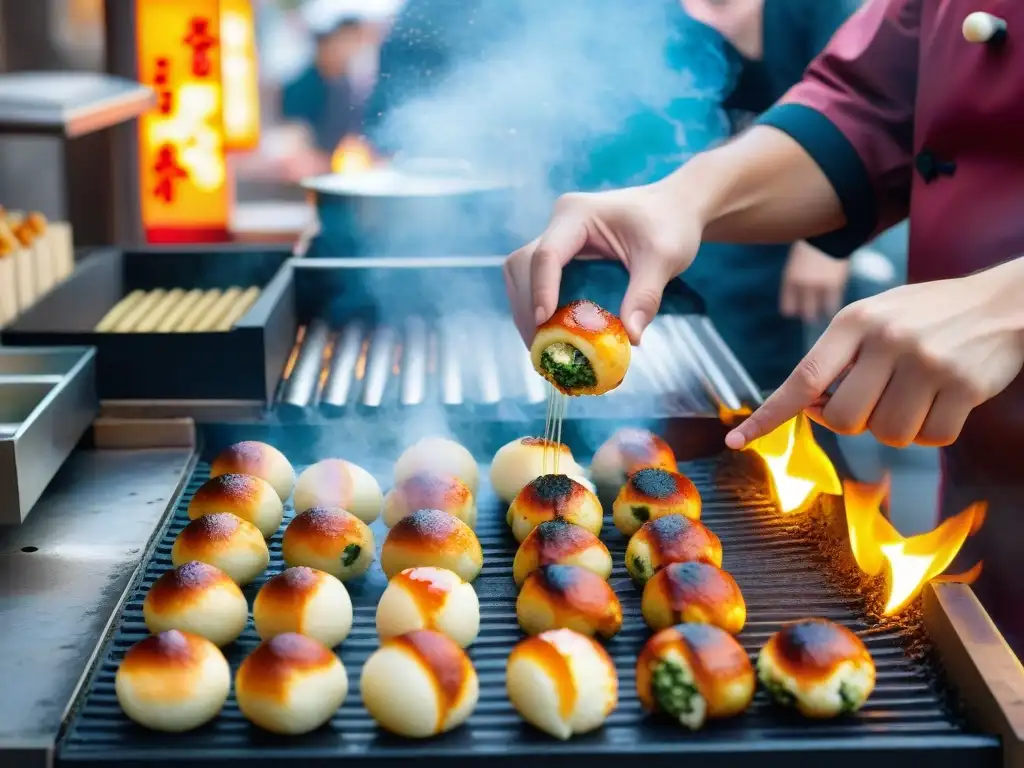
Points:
(568, 597)
(693, 592)
(652, 493)
(559, 542)
(693, 673)
(670, 539)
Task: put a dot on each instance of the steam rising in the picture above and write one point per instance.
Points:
(560, 94)
(550, 95)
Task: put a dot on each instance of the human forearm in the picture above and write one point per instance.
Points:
(762, 187)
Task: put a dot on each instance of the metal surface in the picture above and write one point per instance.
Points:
(62, 576)
(69, 103)
(47, 401)
(479, 360)
(783, 577)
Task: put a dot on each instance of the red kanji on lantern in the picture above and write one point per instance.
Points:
(168, 171)
(200, 41)
(161, 78)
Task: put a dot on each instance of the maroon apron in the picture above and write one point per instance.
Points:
(938, 123)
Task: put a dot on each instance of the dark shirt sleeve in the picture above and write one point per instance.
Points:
(826, 18)
(854, 114)
(299, 99)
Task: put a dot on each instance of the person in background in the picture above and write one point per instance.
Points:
(323, 98)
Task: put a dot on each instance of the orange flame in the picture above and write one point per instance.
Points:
(731, 417)
(798, 467)
(908, 563)
(353, 154)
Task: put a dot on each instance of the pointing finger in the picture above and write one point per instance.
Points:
(643, 297)
(828, 358)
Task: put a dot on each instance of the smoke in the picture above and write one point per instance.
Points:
(561, 94)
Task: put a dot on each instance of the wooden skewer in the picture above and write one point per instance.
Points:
(199, 309)
(242, 306)
(113, 317)
(139, 311)
(172, 319)
(149, 323)
(217, 310)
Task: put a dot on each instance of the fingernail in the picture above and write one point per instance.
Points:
(735, 440)
(540, 315)
(637, 324)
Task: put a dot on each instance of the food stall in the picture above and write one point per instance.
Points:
(194, 360)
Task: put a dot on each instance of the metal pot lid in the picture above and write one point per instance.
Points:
(407, 179)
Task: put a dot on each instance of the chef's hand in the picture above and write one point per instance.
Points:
(813, 284)
(917, 359)
(655, 237)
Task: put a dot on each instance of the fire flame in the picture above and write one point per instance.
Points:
(799, 469)
(907, 562)
(353, 154)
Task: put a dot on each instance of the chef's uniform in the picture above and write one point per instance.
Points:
(911, 111)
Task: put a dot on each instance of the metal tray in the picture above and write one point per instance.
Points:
(47, 401)
(783, 576)
(242, 364)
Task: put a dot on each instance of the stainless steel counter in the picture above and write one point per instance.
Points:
(62, 577)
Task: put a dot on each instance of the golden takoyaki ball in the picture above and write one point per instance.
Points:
(670, 539)
(627, 451)
(197, 598)
(568, 597)
(225, 541)
(582, 350)
(562, 682)
(259, 460)
(439, 456)
(559, 542)
(430, 491)
(526, 459)
(430, 537)
(429, 598)
(554, 497)
(291, 684)
(330, 540)
(419, 684)
(694, 673)
(306, 601)
(698, 593)
(652, 493)
(172, 681)
(339, 484)
(246, 496)
(817, 667)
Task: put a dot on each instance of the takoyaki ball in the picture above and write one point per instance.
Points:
(559, 542)
(429, 598)
(562, 682)
(670, 539)
(197, 598)
(430, 491)
(419, 684)
(693, 673)
(526, 459)
(172, 681)
(627, 451)
(259, 460)
(652, 493)
(291, 684)
(582, 350)
(817, 667)
(330, 540)
(568, 597)
(430, 537)
(225, 541)
(554, 497)
(339, 484)
(246, 496)
(306, 601)
(440, 456)
(698, 593)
